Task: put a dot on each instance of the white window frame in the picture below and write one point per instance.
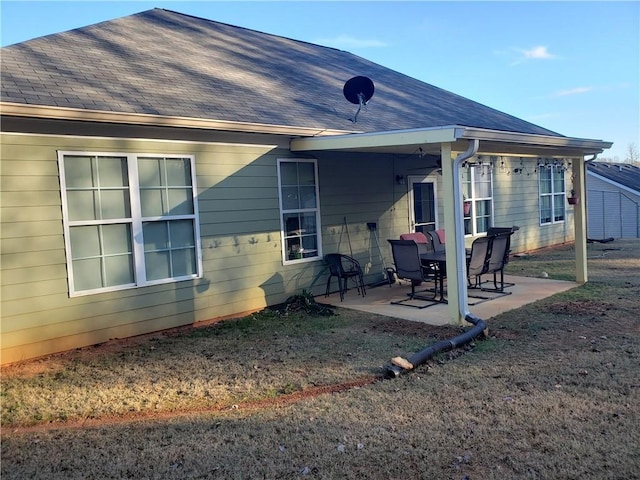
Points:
(484, 168)
(316, 210)
(554, 195)
(136, 221)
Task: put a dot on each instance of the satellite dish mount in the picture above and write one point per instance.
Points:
(358, 90)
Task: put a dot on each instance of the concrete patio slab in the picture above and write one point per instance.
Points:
(378, 300)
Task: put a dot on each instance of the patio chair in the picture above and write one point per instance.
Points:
(406, 257)
(478, 261)
(344, 267)
(498, 258)
(437, 239)
(425, 244)
(493, 231)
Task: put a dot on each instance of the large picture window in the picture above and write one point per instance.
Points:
(129, 220)
(477, 188)
(552, 192)
(299, 210)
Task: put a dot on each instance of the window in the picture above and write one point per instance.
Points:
(129, 220)
(299, 210)
(477, 188)
(551, 184)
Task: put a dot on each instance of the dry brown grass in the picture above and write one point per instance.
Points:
(554, 393)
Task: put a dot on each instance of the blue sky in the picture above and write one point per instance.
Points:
(572, 67)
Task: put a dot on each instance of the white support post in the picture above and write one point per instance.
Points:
(580, 218)
(453, 260)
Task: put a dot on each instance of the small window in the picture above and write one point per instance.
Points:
(477, 188)
(129, 220)
(551, 181)
(299, 210)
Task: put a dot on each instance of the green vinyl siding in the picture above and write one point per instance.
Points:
(239, 222)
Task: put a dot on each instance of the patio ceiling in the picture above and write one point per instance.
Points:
(492, 142)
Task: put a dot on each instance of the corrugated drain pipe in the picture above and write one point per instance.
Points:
(400, 365)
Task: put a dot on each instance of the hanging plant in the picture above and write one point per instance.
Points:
(573, 198)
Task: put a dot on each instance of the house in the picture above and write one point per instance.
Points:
(161, 170)
(613, 200)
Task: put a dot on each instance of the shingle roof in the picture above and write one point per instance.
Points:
(165, 63)
(622, 173)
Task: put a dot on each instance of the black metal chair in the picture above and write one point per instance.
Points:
(425, 244)
(436, 241)
(478, 260)
(344, 268)
(498, 258)
(406, 258)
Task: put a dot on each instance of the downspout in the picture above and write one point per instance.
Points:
(400, 364)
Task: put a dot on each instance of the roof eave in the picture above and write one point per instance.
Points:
(428, 140)
(100, 116)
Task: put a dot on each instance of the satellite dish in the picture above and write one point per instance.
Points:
(358, 90)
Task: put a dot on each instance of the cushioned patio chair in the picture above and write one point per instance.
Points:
(425, 244)
(344, 267)
(408, 266)
(437, 239)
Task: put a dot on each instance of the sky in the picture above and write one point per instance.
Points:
(571, 67)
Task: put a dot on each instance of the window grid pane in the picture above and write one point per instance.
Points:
(165, 186)
(97, 191)
(299, 206)
(102, 256)
(551, 180)
(477, 181)
(172, 245)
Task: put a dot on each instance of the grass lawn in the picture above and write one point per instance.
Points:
(554, 392)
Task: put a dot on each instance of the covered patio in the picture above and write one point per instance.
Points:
(455, 145)
(378, 300)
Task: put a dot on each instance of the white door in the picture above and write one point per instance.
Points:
(423, 207)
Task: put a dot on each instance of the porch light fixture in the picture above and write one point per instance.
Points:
(400, 179)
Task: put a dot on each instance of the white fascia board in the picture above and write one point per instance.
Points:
(612, 182)
(100, 116)
(394, 138)
(448, 134)
(587, 145)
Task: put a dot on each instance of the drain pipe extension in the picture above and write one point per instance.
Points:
(400, 364)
